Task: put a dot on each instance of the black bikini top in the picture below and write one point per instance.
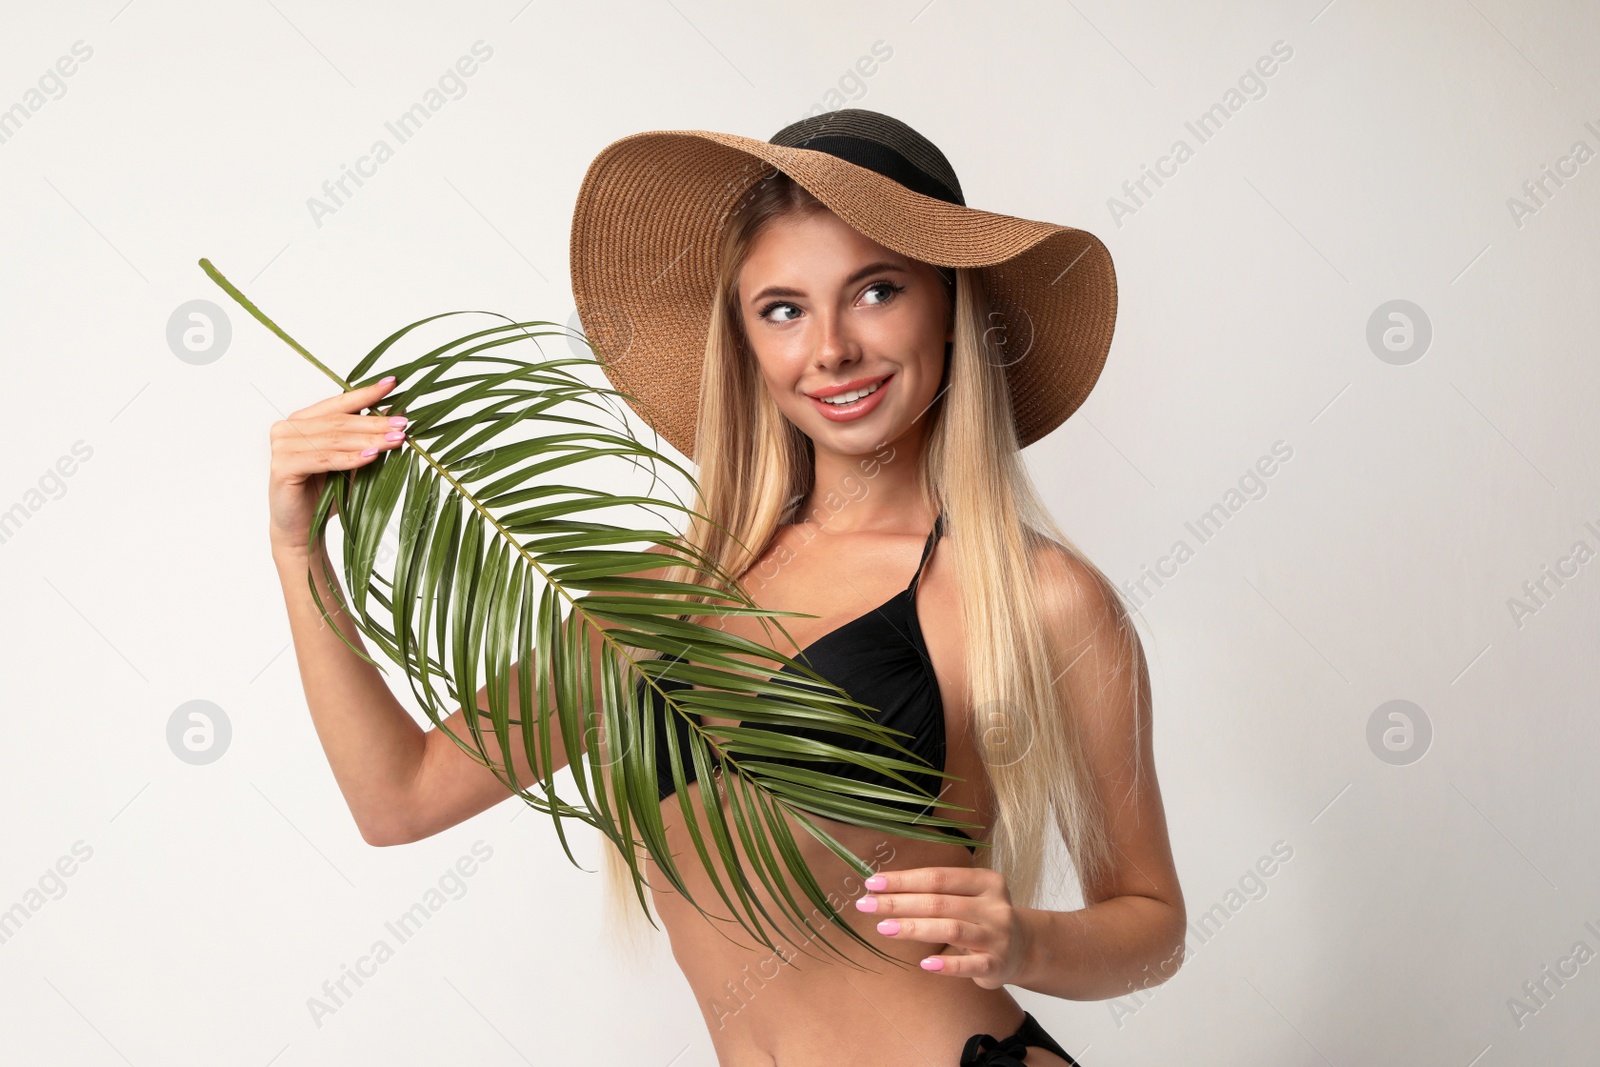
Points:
(881, 661)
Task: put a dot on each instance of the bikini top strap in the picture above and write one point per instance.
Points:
(927, 550)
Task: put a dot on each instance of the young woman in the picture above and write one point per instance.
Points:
(854, 359)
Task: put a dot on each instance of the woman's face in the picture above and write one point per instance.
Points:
(825, 307)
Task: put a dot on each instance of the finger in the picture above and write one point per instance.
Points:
(376, 428)
(307, 462)
(350, 402)
(959, 932)
(927, 905)
(342, 432)
(379, 424)
(972, 965)
(303, 453)
(955, 881)
(293, 436)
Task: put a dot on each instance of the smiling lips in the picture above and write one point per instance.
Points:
(867, 393)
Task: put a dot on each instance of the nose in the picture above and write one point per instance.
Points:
(836, 347)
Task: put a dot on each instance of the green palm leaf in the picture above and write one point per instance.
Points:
(505, 564)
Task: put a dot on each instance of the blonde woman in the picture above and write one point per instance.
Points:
(854, 359)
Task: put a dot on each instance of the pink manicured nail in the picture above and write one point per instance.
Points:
(889, 926)
(398, 420)
(389, 380)
(877, 881)
(369, 452)
(867, 904)
(394, 435)
(933, 963)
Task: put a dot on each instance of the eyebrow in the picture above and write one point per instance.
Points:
(870, 268)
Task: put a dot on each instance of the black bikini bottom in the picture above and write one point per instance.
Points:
(984, 1050)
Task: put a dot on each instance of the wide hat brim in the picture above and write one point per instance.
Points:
(645, 232)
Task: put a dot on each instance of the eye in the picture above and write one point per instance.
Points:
(890, 287)
(766, 312)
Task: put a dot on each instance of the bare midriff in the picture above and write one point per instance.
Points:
(797, 1003)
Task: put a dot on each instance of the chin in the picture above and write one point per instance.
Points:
(855, 441)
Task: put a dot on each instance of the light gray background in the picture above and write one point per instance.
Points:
(1380, 563)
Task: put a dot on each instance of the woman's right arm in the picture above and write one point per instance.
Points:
(402, 783)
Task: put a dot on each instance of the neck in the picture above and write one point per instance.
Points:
(878, 491)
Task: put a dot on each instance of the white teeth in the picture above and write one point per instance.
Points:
(851, 397)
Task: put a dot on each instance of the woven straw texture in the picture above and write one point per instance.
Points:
(644, 245)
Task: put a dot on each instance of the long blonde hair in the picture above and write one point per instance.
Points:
(754, 466)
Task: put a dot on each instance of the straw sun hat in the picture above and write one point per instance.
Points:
(650, 211)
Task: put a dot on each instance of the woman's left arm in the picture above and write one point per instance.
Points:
(1130, 934)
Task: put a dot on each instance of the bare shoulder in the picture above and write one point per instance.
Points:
(1094, 647)
(1106, 682)
(1077, 602)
